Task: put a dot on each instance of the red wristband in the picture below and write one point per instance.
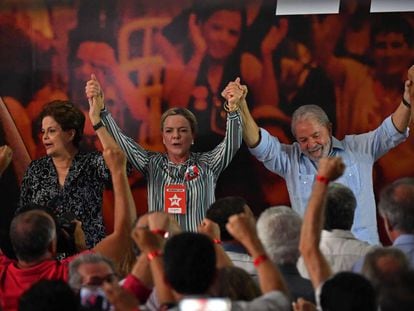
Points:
(259, 259)
(160, 232)
(153, 254)
(216, 241)
(322, 179)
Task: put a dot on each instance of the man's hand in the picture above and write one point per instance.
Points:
(209, 228)
(159, 221)
(115, 159)
(331, 168)
(79, 236)
(146, 240)
(120, 298)
(6, 155)
(243, 228)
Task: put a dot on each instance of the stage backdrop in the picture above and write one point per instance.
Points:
(151, 55)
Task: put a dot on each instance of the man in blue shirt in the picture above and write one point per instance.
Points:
(297, 163)
(396, 206)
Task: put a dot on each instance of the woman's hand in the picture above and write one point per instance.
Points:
(95, 97)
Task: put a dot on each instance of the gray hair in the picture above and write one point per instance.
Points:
(75, 279)
(397, 204)
(279, 228)
(313, 112)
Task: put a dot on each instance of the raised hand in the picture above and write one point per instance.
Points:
(209, 228)
(331, 167)
(95, 97)
(235, 94)
(146, 240)
(6, 155)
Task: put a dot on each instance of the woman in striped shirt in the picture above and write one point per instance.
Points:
(179, 181)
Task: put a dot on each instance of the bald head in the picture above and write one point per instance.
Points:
(31, 234)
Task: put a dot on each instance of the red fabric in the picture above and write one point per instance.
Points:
(14, 280)
(137, 288)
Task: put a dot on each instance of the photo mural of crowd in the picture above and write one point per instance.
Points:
(153, 55)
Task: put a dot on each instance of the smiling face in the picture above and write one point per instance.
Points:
(55, 140)
(222, 33)
(313, 137)
(177, 138)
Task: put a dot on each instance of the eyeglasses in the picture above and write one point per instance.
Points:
(98, 281)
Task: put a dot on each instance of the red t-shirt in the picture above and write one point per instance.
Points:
(15, 281)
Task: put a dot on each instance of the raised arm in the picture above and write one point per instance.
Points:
(251, 131)
(6, 155)
(115, 244)
(108, 131)
(151, 245)
(96, 105)
(221, 156)
(411, 89)
(243, 229)
(212, 230)
(402, 115)
(315, 262)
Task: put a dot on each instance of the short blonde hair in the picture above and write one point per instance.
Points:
(176, 111)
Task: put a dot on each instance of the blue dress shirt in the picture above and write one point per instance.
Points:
(359, 152)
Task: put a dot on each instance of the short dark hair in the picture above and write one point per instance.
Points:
(235, 283)
(31, 233)
(392, 23)
(347, 291)
(398, 294)
(340, 207)
(397, 204)
(221, 210)
(49, 295)
(67, 115)
(190, 263)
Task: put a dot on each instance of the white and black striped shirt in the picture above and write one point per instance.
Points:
(159, 172)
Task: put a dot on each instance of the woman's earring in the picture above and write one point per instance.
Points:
(192, 142)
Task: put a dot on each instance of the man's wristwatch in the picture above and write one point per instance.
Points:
(98, 125)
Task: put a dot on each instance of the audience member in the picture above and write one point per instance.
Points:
(278, 228)
(182, 269)
(235, 283)
(383, 265)
(49, 295)
(339, 246)
(396, 205)
(342, 291)
(33, 237)
(220, 212)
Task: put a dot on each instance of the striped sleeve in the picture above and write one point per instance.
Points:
(220, 157)
(137, 156)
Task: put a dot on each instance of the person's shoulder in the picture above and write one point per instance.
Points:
(42, 161)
